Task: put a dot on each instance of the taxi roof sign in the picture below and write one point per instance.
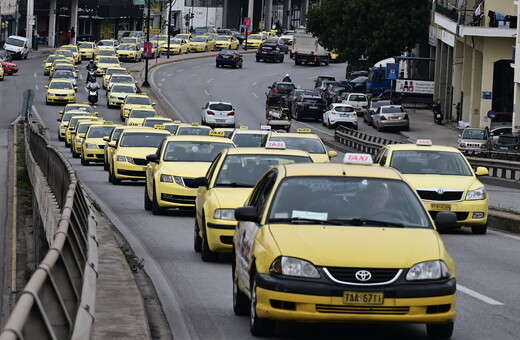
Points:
(302, 130)
(275, 145)
(159, 127)
(177, 121)
(358, 158)
(217, 133)
(243, 127)
(133, 124)
(265, 127)
(108, 122)
(424, 142)
(195, 124)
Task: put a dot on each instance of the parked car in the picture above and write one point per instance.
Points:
(17, 46)
(308, 106)
(291, 97)
(229, 57)
(340, 114)
(496, 132)
(507, 143)
(391, 116)
(473, 140)
(269, 53)
(216, 113)
(371, 109)
(277, 43)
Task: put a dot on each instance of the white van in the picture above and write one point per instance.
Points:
(17, 46)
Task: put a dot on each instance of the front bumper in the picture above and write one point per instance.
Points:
(87, 55)
(197, 48)
(127, 57)
(173, 195)
(60, 99)
(316, 300)
(94, 155)
(220, 234)
(468, 212)
(220, 121)
(127, 170)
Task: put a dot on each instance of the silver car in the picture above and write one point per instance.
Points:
(390, 116)
(65, 74)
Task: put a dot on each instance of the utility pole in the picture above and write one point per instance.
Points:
(169, 26)
(145, 82)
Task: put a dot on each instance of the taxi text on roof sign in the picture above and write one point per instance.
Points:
(358, 158)
(426, 142)
(108, 122)
(216, 133)
(177, 121)
(265, 127)
(275, 145)
(159, 127)
(195, 124)
(302, 130)
(243, 127)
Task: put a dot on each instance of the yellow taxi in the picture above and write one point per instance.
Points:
(118, 94)
(341, 243)
(87, 50)
(138, 115)
(132, 101)
(104, 62)
(66, 54)
(193, 129)
(152, 121)
(78, 134)
(105, 53)
(110, 71)
(60, 91)
(93, 145)
(2, 74)
(201, 43)
(78, 107)
(185, 36)
(130, 40)
(71, 128)
(47, 63)
(232, 178)
(444, 180)
(75, 52)
(254, 41)
(170, 174)
(160, 39)
(304, 140)
(113, 137)
(64, 121)
(177, 46)
(129, 52)
(130, 150)
(227, 131)
(60, 61)
(226, 42)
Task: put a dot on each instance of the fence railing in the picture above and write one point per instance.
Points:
(498, 168)
(58, 302)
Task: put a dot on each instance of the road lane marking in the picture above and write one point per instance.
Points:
(504, 234)
(196, 66)
(209, 81)
(35, 75)
(180, 70)
(206, 92)
(80, 76)
(169, 75)
(313, 77)
(272, 74)
(36, 87)
(254, 84)
(160, 84)
(479, 296)
(162, 79)
(254, 95)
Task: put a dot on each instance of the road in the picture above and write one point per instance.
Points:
(196, 296)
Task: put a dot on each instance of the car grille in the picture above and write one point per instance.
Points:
(138, 161)
(133, 173)
(340, 309)
(101, 156)
(461, 215)
(432, 195)
(189, 182)
(348, 275)
(101, 146)
(60, 94)
(178, 199)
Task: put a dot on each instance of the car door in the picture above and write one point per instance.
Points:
(202, 192)
(151, 169)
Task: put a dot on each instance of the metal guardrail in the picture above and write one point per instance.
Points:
(498, 168)
(58, 302)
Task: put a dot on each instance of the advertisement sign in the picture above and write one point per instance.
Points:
(147, 53)
(247, 23)
(414, 86)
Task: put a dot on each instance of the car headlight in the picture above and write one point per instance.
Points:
(91, 146)
(462, 144)
(477, 194)
(167, 178)
(179, 180)
(79, 140)
(224, 214)
(121, 158)
(429, 270)
(292, 266)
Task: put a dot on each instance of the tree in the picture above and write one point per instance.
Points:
(377, 29)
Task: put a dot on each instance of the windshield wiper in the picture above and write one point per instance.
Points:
(235, 185)
(365, 221)
(306, 220)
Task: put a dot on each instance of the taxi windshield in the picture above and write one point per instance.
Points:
(347, 201)
(138, 100)
(60, 85)
(172, 128)
(255, 37)
(193, 151)
(85, 108)
(142, 139)
(311, 145)
(181, 36)
(152, 122)
(70, 48)
(86, 45)
(62, 73)
(248, 139)
(100, 131)
(121, 79)
(126, 47)
(108, 60)
(65, 53)
(199, 39)
(67, 116)
(82, 128)
(192, 130)
(223, 38)
(141, 114)
(112, 71)
(122, 89)
(106, 43)
(245, 170)
(51, 58)
(430, 162)
(105, 52)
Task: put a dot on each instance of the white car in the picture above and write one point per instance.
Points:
(218, 114)
(119, 78)
(358, 100)
(340, 114)
(248, 138)
(107, 44)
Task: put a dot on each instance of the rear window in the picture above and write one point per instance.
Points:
(312, 100)
(286, 87)
(508, 140)
(344, 109)
(221, 107)
(394, 109)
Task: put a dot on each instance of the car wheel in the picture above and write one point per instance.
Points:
(257, 60)
(379, 128)
(240, 300)
(156, 209)
(115, 181)
(281, 59)
(60, 138)
(197, 240)
(147, 201)
(84, 162)
(25, 56)
(241, 63)
(440, 330)
(318, 63)
(105, 165)
(479, 230)
(206, 254)
(329, 125)
(323, 122)
(218, 65)
(258, 326)
(235, 65)
(74, 154)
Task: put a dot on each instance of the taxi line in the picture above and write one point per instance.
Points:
(36, 87)
(206, 92)
(254, 95)
(254, 84)
(479, 296)
(209, 81)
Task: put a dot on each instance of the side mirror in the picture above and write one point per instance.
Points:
(95, 114)
(332, 154)
(201, 182)
(481, 171)
(46, 86)
(61, 112)
(152, 158)
(153, 104)
(247, 214)
(106, 139)
(445, 220)
(59, 120)
(112, 144)
(81, 135)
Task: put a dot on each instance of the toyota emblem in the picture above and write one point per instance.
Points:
(363, 275)
(440, 191)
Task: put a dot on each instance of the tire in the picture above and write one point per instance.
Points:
(110, 176)
(329, 126)
(379, 128)
(257, 60)
(318, 63)
(327, 63)
(298, 62)
(115, 181)
(75, 155)
(25, 56)
(156, 209)
(258, 326)
(440, 330)
(240, 300)
(206, 254)
(197, 240)
(84, 162)
(218, 65)
(147, 201)
(60, 138)
(281, 60)
(105, 165)
(479, 230)
(241, 63)
(235, 66)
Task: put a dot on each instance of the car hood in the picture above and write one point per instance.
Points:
(185, 169)
(346, 246)
(320, 157)
(136, 152)
(440, 181)
(231, 197)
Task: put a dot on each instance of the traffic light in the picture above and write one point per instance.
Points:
(192, 15)
(187, 17)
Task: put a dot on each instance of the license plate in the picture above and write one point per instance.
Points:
(503, 148)
(221, 120)
(363, 298)
(313, 107)
(343, 115)
(394, 117)
(226, 57)
(442, 207)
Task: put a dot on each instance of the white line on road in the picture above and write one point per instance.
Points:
(209, 81)
(254, 84)
(81, 76)
(160, 84)
(196, 66)
(313, 77)
(272, 74)
(479, 296)
(180, 70)
(162, 79)
(36, 87)
(206, 92)
(169, 74)
(254, 95)
(35, 75)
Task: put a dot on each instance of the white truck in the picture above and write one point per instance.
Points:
(307, 50)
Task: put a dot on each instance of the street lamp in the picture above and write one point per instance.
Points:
(145, 82)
